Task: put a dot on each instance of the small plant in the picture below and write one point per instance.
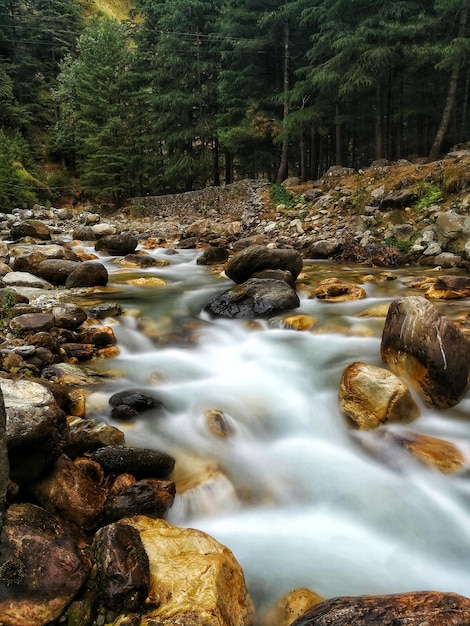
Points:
(403, 245)
(428, 195)
(281, 195)
(7, 303)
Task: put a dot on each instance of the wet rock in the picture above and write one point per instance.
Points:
(218, 423)
(87, 274)
(123, 570)
(254, 298)
(141, 260)
(322, 249)
(32, 322)
(284, 275)
(116, 245)
(291, 606)
(70, 493)
(25, 279)
(257, 258)
(193, 578)
(143, 497)
(130, 403)
(371, 396)
(99, 336)
(105, 309)
(56, 271)
(246, 242)
(449, 287)
(68, 315)
(37, 429)
(406, 609)
(439, 454)
(334, 290)
(75, 352)
(300, 322)
(70, 374)
(213, 256)
(41, 567)
(89, 435)
(424, 346)
(140, 462)
(30, 228)
(28, 262)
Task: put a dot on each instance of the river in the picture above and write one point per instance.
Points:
(300, 499)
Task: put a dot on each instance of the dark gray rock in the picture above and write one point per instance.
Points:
(140, 462)
(257, 258)
(88, 274)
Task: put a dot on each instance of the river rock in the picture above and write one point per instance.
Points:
(70, 493)
(148, 496)
(56, 271)
(37, 429)
(423, 345)
(28, 262)
(397, 199)
(452, 230)
(130, 403)
(99, 336)
(30, 228)
(254, 298)
(433, 452)
(32, 322)
(117, 245)
(122, 565)
(68, 315)
(41, 567)
(87, 435)
(371, 396)
(334, 290)
(193, 578)
(284, 275)
(256, 258)
(25, 279)
(87, 274)
(212, 256)
(140, 462)
(449, 287)
(291, 606)
(421, 608)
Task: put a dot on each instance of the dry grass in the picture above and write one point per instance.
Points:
(117, 9)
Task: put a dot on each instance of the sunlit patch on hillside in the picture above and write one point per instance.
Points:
(117, 9)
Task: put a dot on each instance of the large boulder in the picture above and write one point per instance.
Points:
(421, 344)
(41, 567)
(254, 298)
(452, 230)
(56, 271)
(372, 396)
(257, 258)
(30, 228)
(421, 608)
(36, 429)
(87, 274)
(117, 245)
(194, 580)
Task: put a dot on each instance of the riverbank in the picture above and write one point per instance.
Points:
(67, 493)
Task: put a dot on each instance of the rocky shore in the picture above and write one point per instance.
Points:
(84, 536)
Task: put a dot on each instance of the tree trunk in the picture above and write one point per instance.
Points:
(338, 135)
(379, 139)
(215, 161)
(283, 167)
(451, 95)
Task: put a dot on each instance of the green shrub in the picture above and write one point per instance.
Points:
(280, 195)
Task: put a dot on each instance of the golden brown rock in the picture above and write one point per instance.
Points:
(371, 396)
(194, 580)
(300, 322)
(291, 606)
(334, 290)
(449, 288)
(437, 453)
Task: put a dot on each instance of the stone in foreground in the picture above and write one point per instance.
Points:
(425, 608)
(421, 344)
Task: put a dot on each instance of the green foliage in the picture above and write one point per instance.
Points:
(428, 194)
(280, 195)
(403, 245)
(7, 303)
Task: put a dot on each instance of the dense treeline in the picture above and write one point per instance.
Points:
(194, 92)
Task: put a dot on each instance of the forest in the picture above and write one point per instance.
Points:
(176, 95)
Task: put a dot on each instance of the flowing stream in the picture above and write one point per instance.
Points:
(293, 491)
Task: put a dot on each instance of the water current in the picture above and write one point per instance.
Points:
(293, 491)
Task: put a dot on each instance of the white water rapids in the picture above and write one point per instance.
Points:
(301, 502)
